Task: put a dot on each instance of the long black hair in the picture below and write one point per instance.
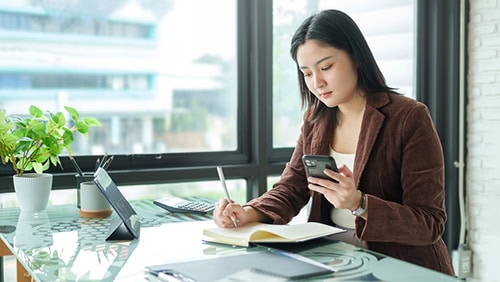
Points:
(337, 29)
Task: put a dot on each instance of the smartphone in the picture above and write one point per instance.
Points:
(315, 164)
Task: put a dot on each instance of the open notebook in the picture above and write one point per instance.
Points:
(269, 233)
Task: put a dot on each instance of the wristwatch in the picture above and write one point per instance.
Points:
(361, 210)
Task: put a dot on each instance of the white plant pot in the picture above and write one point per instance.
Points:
(33, 191)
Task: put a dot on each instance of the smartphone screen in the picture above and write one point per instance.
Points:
(315, 164)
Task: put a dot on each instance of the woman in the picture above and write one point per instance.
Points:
(389, 188)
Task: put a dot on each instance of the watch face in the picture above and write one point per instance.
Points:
(358, 212)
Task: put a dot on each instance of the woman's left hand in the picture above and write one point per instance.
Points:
(344, 194)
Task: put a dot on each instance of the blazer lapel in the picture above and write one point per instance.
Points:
(321, 138)
(373, 120)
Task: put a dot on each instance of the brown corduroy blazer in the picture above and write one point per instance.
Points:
(399, 164)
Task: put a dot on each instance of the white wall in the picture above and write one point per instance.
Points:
(483, 138)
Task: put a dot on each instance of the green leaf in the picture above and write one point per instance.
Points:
(4, 128)
(82, 127)
(35, 111)
(20, 132)
(67, 136)
(90, 121)
(39, 129)
(38, 167)
(42, 156)
(55, 149)
(46, 166)
(59, 119)
(23, 144)
(54, 160)
(73, 113)
(24, 164)
(9, 140)
(19, 122)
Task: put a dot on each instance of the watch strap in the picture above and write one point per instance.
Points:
(359, 211)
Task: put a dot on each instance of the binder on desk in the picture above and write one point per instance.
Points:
(275, 264)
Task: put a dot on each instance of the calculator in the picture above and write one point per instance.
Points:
(180, 205)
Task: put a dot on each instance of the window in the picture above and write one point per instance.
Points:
(161, 76)
(159, 81)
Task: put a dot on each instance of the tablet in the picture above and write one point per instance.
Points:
(126, 226)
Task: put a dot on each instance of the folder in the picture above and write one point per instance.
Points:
(272, 264)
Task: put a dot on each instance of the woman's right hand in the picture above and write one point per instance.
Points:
(228, 214)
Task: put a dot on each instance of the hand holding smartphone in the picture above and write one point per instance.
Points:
(315, 164)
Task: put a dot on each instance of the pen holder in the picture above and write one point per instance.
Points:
(93, 204)
(87, 176)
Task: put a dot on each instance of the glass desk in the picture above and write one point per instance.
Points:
(58, 245)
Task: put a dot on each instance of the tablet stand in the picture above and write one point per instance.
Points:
(118, 231)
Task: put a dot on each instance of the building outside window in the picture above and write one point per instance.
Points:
(158, 80)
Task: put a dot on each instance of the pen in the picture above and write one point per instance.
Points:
(302, 258)
(77, 167)
(169, 276)
(103, 160)
(97, 164)
(108, 162)
(223, 182)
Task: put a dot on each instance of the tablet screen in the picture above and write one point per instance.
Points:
(119, 203)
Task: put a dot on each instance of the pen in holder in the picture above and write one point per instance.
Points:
(90, 200)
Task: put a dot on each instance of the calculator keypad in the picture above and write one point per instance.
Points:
(179, 205)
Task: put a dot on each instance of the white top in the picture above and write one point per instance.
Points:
(343, 217)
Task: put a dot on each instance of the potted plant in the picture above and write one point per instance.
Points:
(34, 143)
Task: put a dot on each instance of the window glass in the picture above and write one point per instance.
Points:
(387, 25)
(206, 189)
(160, 75)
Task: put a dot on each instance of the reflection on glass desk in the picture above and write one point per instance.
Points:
(58, 245)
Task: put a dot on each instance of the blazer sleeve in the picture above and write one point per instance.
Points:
(290, 194)
(419, 217)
